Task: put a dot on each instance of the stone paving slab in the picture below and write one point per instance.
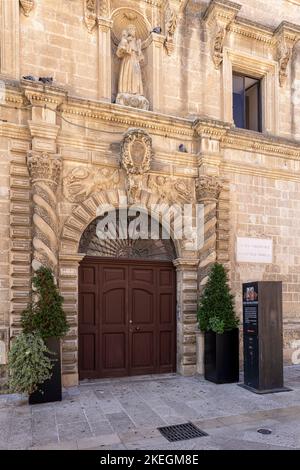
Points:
(125, 414)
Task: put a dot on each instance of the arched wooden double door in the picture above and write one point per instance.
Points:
(127, 317)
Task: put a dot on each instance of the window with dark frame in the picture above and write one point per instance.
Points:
(247, 102)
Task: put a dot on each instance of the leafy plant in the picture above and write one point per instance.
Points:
(29, 363)
(45, 314)
(216, 307)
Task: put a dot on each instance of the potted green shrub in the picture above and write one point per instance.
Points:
(218, 321)
(46, 317)
(29, 363)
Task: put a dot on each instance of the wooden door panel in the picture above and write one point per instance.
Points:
(165, 348)
(166, 278)
(87, 307)
(142, 307)
(166, 308)
(88, 350)
(127, 323)
(142, 352)
(87, 275)
(114, 354)
(114, 307)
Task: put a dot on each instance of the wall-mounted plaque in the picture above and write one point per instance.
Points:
(254, 250)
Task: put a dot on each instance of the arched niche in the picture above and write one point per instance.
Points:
(117, 243)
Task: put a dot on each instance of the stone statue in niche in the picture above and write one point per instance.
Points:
(130, 87)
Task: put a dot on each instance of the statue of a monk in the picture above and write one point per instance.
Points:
(130, 87)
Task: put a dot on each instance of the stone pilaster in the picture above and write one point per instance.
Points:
(68, 284)
(207, 192)
(104, 41)
(20, 233)
(44, 171)
(155, 58)
(10, 39)
(217, 17)
(44, 166)
(187, 270)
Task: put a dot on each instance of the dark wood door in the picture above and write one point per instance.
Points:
(127, 317)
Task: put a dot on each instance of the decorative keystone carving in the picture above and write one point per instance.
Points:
(218, 17)
(90, 14)
(45, 173)
(287, 35)
(136, 156)
(27, 6)
(208, 188)
(82, 181)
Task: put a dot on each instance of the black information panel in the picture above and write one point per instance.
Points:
(250, 318)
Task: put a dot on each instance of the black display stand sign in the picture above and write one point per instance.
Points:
(263, 344)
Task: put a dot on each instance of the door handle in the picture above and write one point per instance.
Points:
(137, 328)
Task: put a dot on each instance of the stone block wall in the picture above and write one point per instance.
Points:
(269, 208)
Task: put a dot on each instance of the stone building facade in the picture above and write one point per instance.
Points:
(85, 139)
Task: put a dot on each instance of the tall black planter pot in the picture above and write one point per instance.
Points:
(50, 390)
(221, 356)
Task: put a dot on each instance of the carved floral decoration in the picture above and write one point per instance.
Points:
(208, 188)
(90, 14)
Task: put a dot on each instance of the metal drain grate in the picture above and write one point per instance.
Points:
(180, 432)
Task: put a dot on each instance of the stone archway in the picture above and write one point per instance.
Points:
(186, 265)
(127, 297)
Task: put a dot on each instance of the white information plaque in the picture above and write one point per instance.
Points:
(2, 352)
(254, 250)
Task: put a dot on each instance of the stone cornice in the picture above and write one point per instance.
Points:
(11, 95)
(252, 30)
(221, 9)
(129, 117)
(14, 131)
(39, 94)
(107, 114)
(263, 172)
(211, 128)
(255, 142)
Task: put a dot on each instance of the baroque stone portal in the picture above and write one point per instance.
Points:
(130, 88)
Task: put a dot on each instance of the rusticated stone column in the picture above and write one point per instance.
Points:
(208, 189)
(44, 172)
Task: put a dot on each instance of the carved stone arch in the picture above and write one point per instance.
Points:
(69, 259)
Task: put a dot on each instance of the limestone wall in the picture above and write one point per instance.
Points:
(263, 207)
(55, 41)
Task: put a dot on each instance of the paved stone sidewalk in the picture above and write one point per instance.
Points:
(125, 414)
